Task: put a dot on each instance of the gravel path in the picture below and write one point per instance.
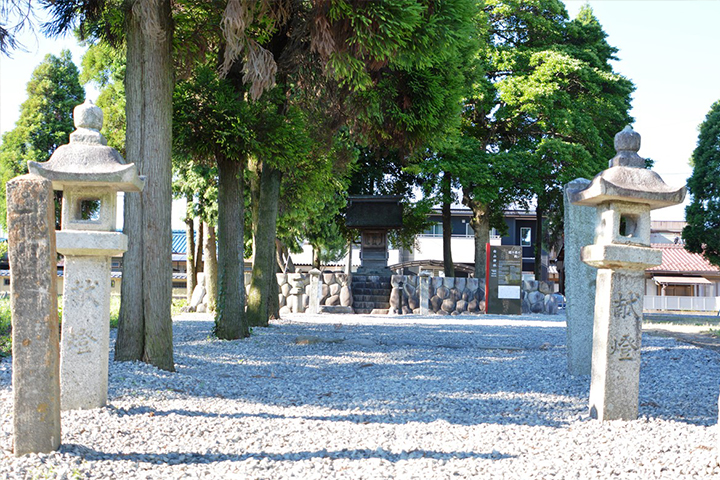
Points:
(361, 397)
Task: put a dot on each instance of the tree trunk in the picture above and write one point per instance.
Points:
(538, 241)
(211, 266)
(263, 271)
(315, 257)
(190, 249)
(230, 321)
(255, 169)
(348, 265)
(448, 264)
(147, 286)
(199, 246)
(130, 342)
(273, 296)
(480, 223)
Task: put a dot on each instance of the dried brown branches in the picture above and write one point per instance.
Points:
(259, 67)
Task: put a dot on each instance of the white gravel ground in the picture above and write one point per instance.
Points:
(382, 397)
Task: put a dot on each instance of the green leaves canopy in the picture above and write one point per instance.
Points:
(702, 233)
(45, 120)
(545, 110)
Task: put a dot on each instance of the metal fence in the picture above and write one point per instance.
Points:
(696, 304)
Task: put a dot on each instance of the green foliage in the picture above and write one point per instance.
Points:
(413, 110)
(414, 102)
(401, 64)
(211, 118)
(702, 233)
(416, 219)
(6, 321)
(105, 66)
(198, 180)
(46, 116)
(45, 120)
(114, 310)
(5, 327)
(177, 305)
(377, 33)
(543, 111)
(313, 196)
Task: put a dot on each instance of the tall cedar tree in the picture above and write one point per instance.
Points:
(414, 111)
(702, 233)
(221, 139)
(145, 324)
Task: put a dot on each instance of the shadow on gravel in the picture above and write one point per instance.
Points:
(395, 374)
(185, 458)
(360, 418)
(678, 383)
(387, 374)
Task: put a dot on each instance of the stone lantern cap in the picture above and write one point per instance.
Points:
(87, 161)
(627, 179)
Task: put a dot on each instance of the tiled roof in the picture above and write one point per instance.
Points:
(676, 259)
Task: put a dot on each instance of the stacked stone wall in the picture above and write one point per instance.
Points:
(294, 291)
(447, 296)
(291, 292)
(537, 297)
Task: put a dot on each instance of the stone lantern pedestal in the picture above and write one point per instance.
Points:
(623, 196)
(90, 174)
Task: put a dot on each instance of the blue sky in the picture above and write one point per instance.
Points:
(669, 49)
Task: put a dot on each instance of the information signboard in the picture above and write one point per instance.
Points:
(504, 279)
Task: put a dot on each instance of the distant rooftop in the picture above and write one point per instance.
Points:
(670, 226)
(676, 259)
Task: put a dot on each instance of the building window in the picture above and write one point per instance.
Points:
(525, 237)
(435, 230)
(6, 281)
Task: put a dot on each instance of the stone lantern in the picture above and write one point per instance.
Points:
(623, 196)
(90, 174)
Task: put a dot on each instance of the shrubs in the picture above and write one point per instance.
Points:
(5, 317)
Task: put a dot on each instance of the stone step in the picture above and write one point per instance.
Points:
(363, 311)
(371, 291)
(370, 278)
(370, 305)
(335, 309)
(380, 311)
(372, 298)
(372, 286)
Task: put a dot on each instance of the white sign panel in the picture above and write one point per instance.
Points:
(509, 291)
